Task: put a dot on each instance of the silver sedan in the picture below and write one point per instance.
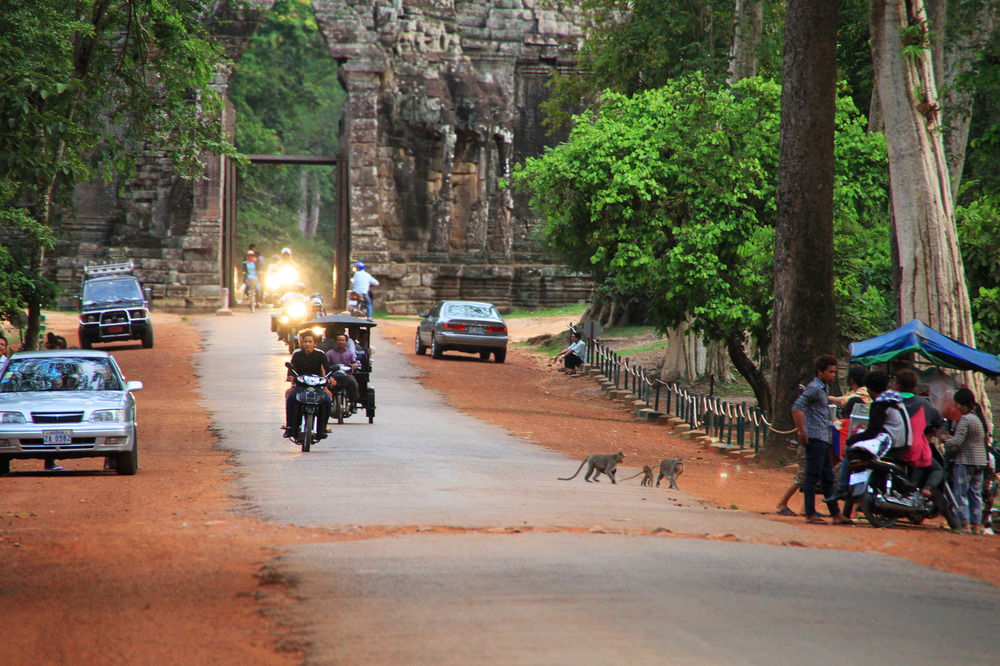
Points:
(67, 403)
(465, 326)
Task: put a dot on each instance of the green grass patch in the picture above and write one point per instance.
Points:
(557, 311)
(649, 346)
(624, 331)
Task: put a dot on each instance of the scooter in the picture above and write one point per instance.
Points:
(882, 487)
(310, 399)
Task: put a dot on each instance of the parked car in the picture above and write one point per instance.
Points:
(113, 306)
(67, 403)
(466, 326)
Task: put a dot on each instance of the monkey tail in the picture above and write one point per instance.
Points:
(575, 473)
(633, 476)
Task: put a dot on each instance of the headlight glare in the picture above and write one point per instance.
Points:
(106, 415)
(12, 417)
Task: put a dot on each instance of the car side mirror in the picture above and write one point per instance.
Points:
(133, 386)
(422, 315)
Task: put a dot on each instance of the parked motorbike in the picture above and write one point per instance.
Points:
(310, 398)
(881, 485)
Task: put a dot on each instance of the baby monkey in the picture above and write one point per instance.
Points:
(646, 480)
(605, 462)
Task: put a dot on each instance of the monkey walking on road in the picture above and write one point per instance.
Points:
(670, 468)
(647, 480)
(606, 463)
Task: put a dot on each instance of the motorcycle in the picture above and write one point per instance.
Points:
(280, 279)
(341, 399)
(356, 305)
(310, 398)
(881, 486)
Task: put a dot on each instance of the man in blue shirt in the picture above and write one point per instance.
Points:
(811, 413)
(573, 356)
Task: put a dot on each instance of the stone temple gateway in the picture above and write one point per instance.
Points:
(442, 99)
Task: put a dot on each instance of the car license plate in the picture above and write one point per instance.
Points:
(475, 330)
(860, 477)
(57, 437)
(116, 329)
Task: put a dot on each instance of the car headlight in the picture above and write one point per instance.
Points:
(105, 415)
(12, 417)
(90, 318)
(138, 314)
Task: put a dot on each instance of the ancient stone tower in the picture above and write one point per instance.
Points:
(443, 98)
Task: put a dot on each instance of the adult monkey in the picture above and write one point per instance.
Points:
(648, 480)
(602, 462)
(670, 469)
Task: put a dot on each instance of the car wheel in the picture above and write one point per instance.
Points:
(419, 346)
(484, 356)
(147, 338)
(500, 355)
(127, 462)
(436, 350)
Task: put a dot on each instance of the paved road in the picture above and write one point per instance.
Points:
(576, 589)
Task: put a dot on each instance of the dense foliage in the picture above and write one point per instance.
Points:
(89, 87)
(672, 192)
(288, 101)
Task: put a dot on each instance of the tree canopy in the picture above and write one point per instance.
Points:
(671, 192)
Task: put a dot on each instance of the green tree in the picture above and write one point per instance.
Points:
(672, 192)
(90, 86)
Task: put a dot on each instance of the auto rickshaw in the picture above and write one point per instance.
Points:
(358, 330)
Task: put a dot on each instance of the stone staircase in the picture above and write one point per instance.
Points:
(677, 426)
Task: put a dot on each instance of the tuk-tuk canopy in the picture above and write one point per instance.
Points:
(920, 338)
(340, 320)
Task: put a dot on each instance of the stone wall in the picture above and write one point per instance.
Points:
(442, 99)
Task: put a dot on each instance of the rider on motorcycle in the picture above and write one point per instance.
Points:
(251, 275)
(307, 360)
(342, 355)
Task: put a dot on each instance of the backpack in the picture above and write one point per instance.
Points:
(905, 442)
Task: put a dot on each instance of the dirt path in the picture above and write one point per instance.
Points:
(161, 568)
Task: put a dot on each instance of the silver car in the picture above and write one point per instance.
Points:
(465, 326)
(67, 403)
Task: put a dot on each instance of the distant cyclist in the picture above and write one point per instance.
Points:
(361, 284)
(251, 275)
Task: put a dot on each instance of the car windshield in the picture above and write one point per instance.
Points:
(472, 311)
(102, 291)
(59, 373)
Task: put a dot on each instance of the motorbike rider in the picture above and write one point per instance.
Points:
(926, 421)
(307, 360)
(341, 354)
(361, 284)
(888, 427)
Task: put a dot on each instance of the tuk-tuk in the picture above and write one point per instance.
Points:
(358, 330)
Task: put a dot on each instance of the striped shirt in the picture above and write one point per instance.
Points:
(814, 403)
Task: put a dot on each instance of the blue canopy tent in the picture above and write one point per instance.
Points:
(920, 338)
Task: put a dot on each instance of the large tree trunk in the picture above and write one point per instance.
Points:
(957, 36)
(932, 279)
(803, 314)
(685, 358)
(748, 24)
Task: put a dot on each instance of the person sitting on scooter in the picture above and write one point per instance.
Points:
(926, 421)
(307, 360)
(886, 428)
(341, 354)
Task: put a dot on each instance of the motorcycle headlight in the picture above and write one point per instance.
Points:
(288, 275)
(296, 309)
(12, 417)
(284, 319)
(318, 330)
(272, 282)
(107, 415)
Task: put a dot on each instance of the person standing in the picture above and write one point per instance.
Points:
(969, 441)
(361, 284)
(811, 414)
